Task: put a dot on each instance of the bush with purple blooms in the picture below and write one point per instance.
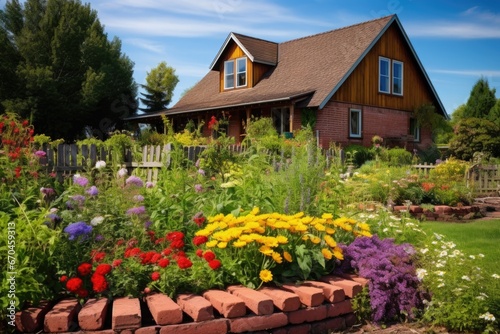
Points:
(394, 287)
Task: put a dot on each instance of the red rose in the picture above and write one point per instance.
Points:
(199, 253)
(167, 251)
(74, 284)
(214, 264)
(84, 269)
(82, 293)
(199, 240)
(63, 278)
(132, 252)
(178, 244)
(175, 236)
(103, 269)
(99, 283)
(155, 276)
(155, 258)
(184, 262)
(117, 262)
(209, 256)
(163, 263)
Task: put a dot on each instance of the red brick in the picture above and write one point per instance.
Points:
(217, 326)
(31, 319)
(340, 308)
(295, 329)
(309, 314)
(256, 301)
(309, 296)
(353, 277)
(126, 313)
(230, 306)
(93, 314)
(286, 301)
(351, 288)
(416, 209)
(164, 310)
(102, 331)
(443, 209)
(399, 208)
(350, 319)
(332, 293)
(329, 326)
(196, 307)
(62, 316)
(257, 323)
(146, 330)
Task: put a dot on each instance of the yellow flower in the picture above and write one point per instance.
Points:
(271, 242)
(330, 241)
(282, 239)
(327, 216)
(366, 234)
(255, 211)
(330, 230)
(277, 257)
(319, 227)
(337, 252)
(212, 243)
(265, 275)
(298, 215)
(364, 226)
(327, 254)
(287, 256)
(315, 240)
(266, 250)
(222, 244)
(239, 244)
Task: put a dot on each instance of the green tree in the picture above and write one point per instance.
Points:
(480, 101)
(64, 73)
(494, 114)
(160, 85)
(475, 135)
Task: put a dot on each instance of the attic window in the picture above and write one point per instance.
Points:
(235, 73)
(384, 71)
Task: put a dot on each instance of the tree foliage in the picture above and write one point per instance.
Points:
(59, 69)
(480, 101)
(475, 135)
(160, 85)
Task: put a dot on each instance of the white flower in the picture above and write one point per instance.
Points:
(421, 273)
(443, 254)
(472, 257)
(441, 285)
(100, 164)
(440, 264)
(487, 316)
(424, 250)
(480, 255)
(122, 172)
(440, 273)
(96, 220)
(385, 230)
(466, 278)
(495, 276)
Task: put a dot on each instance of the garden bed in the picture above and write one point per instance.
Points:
(315, 307)
(442, 212)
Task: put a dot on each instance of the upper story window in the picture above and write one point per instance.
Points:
(397, 77)
(235, 73)
(384, 71)
(388, 83)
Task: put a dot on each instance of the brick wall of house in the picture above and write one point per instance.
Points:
(333, 125)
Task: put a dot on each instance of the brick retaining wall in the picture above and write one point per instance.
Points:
(314, 307)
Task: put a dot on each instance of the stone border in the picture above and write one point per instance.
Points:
(313, 307)
(442, 212)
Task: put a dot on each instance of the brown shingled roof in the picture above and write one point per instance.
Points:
(315, 65)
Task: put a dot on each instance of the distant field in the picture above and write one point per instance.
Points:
(473, 238)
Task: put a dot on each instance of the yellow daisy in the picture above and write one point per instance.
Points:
(266, 275)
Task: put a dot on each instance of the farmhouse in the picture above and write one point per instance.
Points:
(351, 83)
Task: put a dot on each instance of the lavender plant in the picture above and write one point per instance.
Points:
(394, 287)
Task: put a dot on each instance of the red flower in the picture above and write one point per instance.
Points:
(167, 251)
(199, 252)
(63, 278)
(212, 122)
(155, 258)
(82, 293)
(84, 269)
(209, 256)
(175, 236)
(132, 252)
(163, 263)
(178, 244)
(184, 262)
(103, 269)
(149, 257)
(17, 170)
(155, 276)
(427, 186)
(117, 262)
(199, 220)
(214, 264)
(199, 240)
(120, 242)
(99, 283)
(74, 284)
(26, 123)
(97, 256)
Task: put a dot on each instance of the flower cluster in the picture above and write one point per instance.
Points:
(88, 279)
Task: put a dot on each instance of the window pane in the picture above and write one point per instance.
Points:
(397, 80)
(355, 123)
(384, 75)
(242, 79)
(241, 64)
(384, 84)
(384, 67)
(229, 74)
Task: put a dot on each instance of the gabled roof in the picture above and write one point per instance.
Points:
(256, 49)
(301, 68)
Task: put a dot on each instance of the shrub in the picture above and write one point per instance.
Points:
(360, 154)
(397, 157)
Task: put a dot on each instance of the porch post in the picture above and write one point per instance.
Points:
(292, 114)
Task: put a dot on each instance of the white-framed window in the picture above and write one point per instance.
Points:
(229, 74)
(414, 129)
(241, 72)
(235, 73)
(384, 77)
(281, 119)
(355, 123)
(397, 77)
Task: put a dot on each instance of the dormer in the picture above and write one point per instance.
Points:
(242, 61)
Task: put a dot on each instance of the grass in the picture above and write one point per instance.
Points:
(472, 238)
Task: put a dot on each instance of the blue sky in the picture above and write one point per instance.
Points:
(457, 42)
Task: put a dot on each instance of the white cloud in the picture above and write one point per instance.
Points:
(145, 44)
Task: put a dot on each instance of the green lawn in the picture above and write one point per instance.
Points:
(473, 238)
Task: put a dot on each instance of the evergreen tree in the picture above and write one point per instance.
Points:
(160, 85)
(64, 72)
(480, 101)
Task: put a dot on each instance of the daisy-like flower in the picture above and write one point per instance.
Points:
(421, 273)
(487, 316)
(100, 164)
(265, 275)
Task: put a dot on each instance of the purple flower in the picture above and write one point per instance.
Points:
(197, 163)
(53, 218)
(201, 172)
(122, 172)
(198, 188)
(78, 229)
(40, 154)
(92, 191)
(79, 199)
(138, 198)
(149, 184)
(147, 224)
(80, 180)
(99, 237)
(138, 210)
(47, 191)
(134, 180)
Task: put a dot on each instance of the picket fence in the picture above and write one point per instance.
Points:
(68, 159)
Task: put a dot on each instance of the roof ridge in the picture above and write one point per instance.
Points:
(337, 29)
(252, 37)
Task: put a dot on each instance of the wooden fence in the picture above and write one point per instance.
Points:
(484, 179)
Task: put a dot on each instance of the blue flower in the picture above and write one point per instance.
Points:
(134, 180)
(138, 210)
(92, 191)
(78, 229)
(80, 180)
